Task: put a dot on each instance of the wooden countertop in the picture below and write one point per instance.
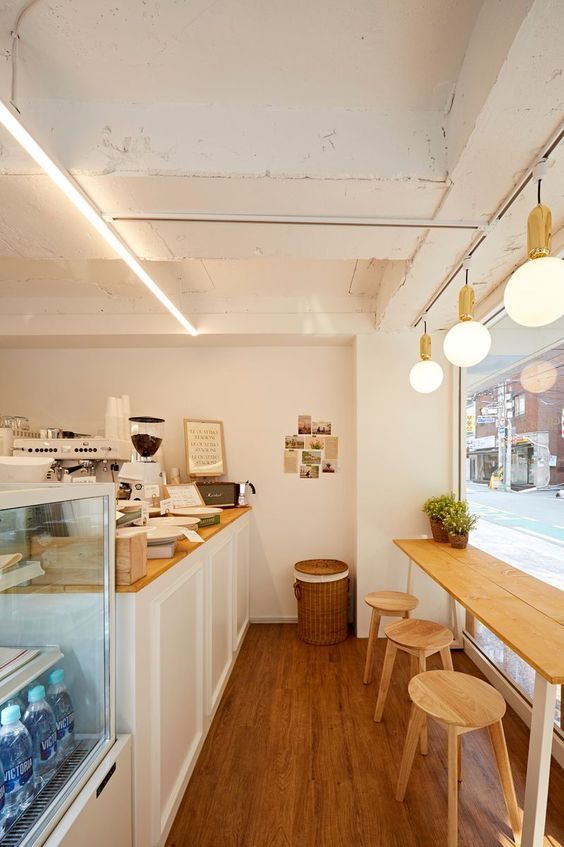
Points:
(157, 567)
(524, 612)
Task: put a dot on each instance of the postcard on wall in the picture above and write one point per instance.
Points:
(292, 442)
(313, 442)
(311, 457)
(328, 467)
(291, 461)
(331, 448)
(304, 424)
(321, 428)
(309, 471)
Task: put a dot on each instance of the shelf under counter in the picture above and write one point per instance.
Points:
(157, 567)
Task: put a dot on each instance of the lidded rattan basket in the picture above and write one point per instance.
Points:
(322, 590)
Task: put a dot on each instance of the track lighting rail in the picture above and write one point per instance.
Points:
(506, 204)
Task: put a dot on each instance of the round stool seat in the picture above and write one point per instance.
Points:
(457, 699)
(392, 601)
(418, 634)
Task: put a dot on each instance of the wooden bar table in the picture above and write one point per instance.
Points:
(528, 616)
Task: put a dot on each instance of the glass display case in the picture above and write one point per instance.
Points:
(56, 649)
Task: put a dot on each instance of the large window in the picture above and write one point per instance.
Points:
(515, 463)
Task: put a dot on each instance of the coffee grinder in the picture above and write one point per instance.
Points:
(145, 476)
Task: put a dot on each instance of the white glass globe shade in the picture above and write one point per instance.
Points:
(467, 343)
(426, 376)
(534, 295)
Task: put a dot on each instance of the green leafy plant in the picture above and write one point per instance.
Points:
(458, 520)
(435, 507)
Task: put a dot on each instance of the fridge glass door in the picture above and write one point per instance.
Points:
(55, 623)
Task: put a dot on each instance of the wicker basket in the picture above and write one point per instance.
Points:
(322, 590)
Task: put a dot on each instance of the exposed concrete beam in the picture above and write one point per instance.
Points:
(522, 111)
(183, 138)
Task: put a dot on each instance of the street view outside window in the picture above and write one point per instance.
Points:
(515, 464)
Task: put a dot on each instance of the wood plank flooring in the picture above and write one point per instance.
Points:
(294, 759)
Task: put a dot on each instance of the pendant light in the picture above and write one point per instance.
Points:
(425, 376)
(468, 341)
(534, 294)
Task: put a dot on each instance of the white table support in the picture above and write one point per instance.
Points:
(457, 644)
(538, 763)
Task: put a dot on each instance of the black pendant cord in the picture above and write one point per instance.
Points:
(425, 327)
(466, 283)
(539, 191)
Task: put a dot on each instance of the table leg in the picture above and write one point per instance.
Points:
(538, 763)
(409, 586)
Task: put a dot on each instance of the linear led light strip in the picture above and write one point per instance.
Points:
(64, 181)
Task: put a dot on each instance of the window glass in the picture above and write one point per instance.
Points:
(515, 463)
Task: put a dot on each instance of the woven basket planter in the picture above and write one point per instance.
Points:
(323, 604)
(439, 532)
(458, 541)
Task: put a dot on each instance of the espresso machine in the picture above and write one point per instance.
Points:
(145, 476)
(77, 458)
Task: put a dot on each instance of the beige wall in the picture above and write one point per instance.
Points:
(403, 456)
(258, 393)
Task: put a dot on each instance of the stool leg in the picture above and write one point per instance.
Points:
(502, 759)
(413, 669)
(424, 737)
(416, 719)
(460, 758)
(452, 787)
(446, 659)
(371, 649)
(387, 668)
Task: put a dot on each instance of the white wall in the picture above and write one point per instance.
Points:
(258, 393)
(403, 457)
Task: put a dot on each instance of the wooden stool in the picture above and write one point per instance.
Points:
(460, 703)
(393, 604)
(420, 639)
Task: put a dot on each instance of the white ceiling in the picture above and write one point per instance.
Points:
(362, 54)
(374, 110)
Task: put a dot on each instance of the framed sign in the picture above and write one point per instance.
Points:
(204, 447)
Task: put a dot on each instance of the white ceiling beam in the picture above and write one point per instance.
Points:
(521, 111)
(237, 140)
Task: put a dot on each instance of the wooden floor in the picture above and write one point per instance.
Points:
(294, 759)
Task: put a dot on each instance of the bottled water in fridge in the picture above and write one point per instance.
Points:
(16, 761)
(59, 699)
(39, 721)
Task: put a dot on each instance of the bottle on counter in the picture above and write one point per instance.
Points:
(39, 721)
(60, 701)
(17, 762)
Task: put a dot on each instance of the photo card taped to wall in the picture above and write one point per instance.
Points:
(309, 471)
(304, 424)
(292, 442)
(311, 457)
(291, 461)
(321, 428)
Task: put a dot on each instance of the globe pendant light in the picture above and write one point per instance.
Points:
(426, 375)
(534, 294)
(468, 341)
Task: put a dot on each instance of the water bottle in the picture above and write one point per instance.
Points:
(2, 802)
(17, 762)
(39, 721)
(59, 699)
(16, 700)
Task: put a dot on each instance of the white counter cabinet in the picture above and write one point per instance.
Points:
(177, 641)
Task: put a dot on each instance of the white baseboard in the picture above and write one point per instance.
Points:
(518, 702)
(289, 619)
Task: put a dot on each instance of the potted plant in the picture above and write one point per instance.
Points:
(458, 522)
(435, 508)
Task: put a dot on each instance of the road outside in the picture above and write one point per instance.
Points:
(525, 529)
